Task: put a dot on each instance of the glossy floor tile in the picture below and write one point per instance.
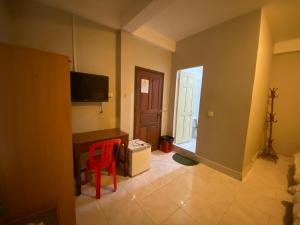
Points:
(170, 193)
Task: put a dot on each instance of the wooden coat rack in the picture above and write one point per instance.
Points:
(268, 151)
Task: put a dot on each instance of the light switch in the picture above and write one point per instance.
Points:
(110, 95)
(210, 114)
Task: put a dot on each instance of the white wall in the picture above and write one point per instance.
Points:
(96, 52)
(257, 119)
(286, 77)
(228, 55)
(33, 25)
(30, 24)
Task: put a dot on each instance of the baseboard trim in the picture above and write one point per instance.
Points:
(223, 169)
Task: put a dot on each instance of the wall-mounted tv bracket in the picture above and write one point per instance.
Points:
(101, 108)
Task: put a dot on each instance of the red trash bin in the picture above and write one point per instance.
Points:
(166, 143)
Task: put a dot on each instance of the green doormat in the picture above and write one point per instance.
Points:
(184, 160)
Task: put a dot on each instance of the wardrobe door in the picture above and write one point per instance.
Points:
(36, 168)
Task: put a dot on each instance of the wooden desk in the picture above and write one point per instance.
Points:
(82, 141)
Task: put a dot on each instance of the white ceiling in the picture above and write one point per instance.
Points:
(186, 17)
(178, 19)
(111, 13)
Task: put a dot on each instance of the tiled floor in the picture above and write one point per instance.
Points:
(172, 194)
(190, 145)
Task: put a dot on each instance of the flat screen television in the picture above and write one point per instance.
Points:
(89, 87)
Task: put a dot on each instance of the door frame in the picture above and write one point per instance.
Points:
(175, 107)
(176, 104)
(135, 97)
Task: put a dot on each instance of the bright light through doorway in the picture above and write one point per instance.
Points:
(187, 106)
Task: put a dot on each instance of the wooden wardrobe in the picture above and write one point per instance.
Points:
(36, 170)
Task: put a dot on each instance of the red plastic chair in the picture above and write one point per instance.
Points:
(104, 160)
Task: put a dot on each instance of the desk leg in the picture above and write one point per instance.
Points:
(126, 158)
(77, 175)
(126, 161)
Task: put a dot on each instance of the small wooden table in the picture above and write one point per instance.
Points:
(82, 141)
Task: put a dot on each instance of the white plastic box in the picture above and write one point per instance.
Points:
(139, 157)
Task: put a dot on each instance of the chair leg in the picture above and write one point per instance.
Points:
(113, 171)
(98, 182)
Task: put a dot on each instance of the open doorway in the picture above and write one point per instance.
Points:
(187, 102)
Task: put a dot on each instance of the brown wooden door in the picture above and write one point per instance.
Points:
(148, 105)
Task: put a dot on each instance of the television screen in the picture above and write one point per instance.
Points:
(89, 87)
